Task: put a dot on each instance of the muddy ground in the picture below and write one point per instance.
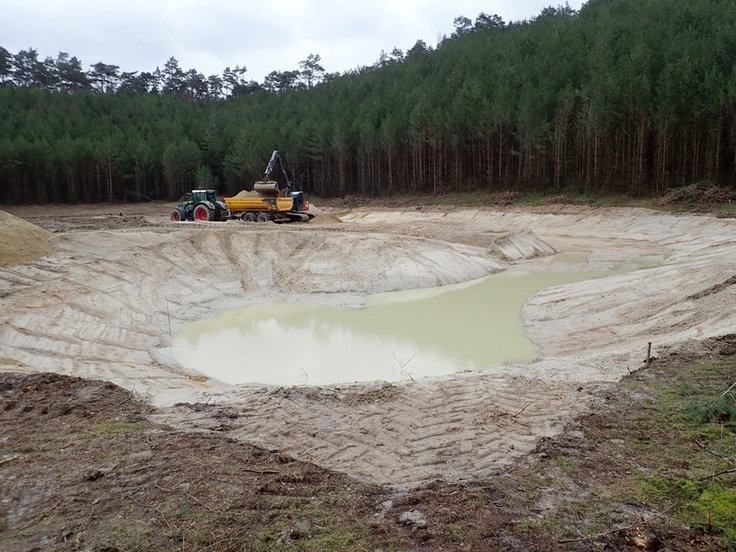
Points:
(423, 464)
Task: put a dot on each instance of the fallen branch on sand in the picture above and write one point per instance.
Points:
(523, 409)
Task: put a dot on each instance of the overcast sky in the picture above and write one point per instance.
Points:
(209, 35)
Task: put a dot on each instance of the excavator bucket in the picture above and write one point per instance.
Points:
(266, 187)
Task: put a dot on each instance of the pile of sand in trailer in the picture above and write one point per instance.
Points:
(21, 241)
(246, 193)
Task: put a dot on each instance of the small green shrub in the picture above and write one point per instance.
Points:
(720, 410)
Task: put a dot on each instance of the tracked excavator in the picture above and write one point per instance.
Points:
(272, 201)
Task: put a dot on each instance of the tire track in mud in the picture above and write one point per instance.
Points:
(456, 429)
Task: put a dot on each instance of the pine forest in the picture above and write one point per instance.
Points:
(629, 97)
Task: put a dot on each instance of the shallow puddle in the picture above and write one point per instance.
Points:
(394, 336)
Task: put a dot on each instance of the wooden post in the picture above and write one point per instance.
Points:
(649, 354)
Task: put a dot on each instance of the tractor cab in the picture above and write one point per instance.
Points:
(198, 196)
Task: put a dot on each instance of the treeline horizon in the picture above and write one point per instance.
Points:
(66, 73)
(623, 97)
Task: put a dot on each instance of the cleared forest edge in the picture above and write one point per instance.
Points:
(104, 304)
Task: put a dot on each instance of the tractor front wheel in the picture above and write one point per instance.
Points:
(178, 214)
(202, 213)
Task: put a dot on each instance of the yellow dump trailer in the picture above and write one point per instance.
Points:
(263, 208)
(256, 204)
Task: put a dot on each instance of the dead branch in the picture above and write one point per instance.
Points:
(727, 391)
(39, 518)
(599, 535)
(121, 403)
(724, 472)
(260, 472)
(634, 525)
(523, 409)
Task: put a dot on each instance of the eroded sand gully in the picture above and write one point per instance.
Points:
(104, 304)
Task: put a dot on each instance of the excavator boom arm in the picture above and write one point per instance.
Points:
(276, 158)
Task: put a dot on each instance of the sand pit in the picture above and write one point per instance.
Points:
(104, 304)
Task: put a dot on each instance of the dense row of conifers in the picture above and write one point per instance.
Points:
(625, 96)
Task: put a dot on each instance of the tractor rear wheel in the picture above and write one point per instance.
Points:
(263, 217)
(202, 213)
(249, 217)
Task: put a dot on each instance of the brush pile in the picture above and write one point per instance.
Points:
(700, 193)
(506, 198)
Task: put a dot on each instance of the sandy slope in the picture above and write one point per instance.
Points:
(104, 303)
(21, 241)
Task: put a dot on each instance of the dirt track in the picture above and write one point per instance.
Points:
(100, 307)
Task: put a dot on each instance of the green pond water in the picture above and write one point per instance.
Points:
(416, 333)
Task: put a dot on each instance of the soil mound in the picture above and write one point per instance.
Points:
(21, 241)
(320, 217)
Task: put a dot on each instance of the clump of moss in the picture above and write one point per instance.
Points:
(717, 506)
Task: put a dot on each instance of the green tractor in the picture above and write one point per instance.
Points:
(200, 205)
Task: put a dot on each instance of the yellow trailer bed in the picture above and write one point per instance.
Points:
(258, 204)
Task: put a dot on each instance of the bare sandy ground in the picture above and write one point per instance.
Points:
(106, 300)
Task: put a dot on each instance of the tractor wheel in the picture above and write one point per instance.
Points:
(178, 214)
(263, 217)
(202, 213)
(249, 217)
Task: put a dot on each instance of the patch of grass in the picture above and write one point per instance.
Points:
(658, 456)
(551, 528)
(564, 464)
(696, 479)
(467, 199)
(531, 200)
(113, 427)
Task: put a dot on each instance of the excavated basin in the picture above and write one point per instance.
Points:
(416, 333)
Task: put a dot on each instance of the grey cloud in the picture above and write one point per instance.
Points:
(263, 36)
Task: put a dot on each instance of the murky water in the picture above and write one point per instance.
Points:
(569, 257)
(396, 335)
